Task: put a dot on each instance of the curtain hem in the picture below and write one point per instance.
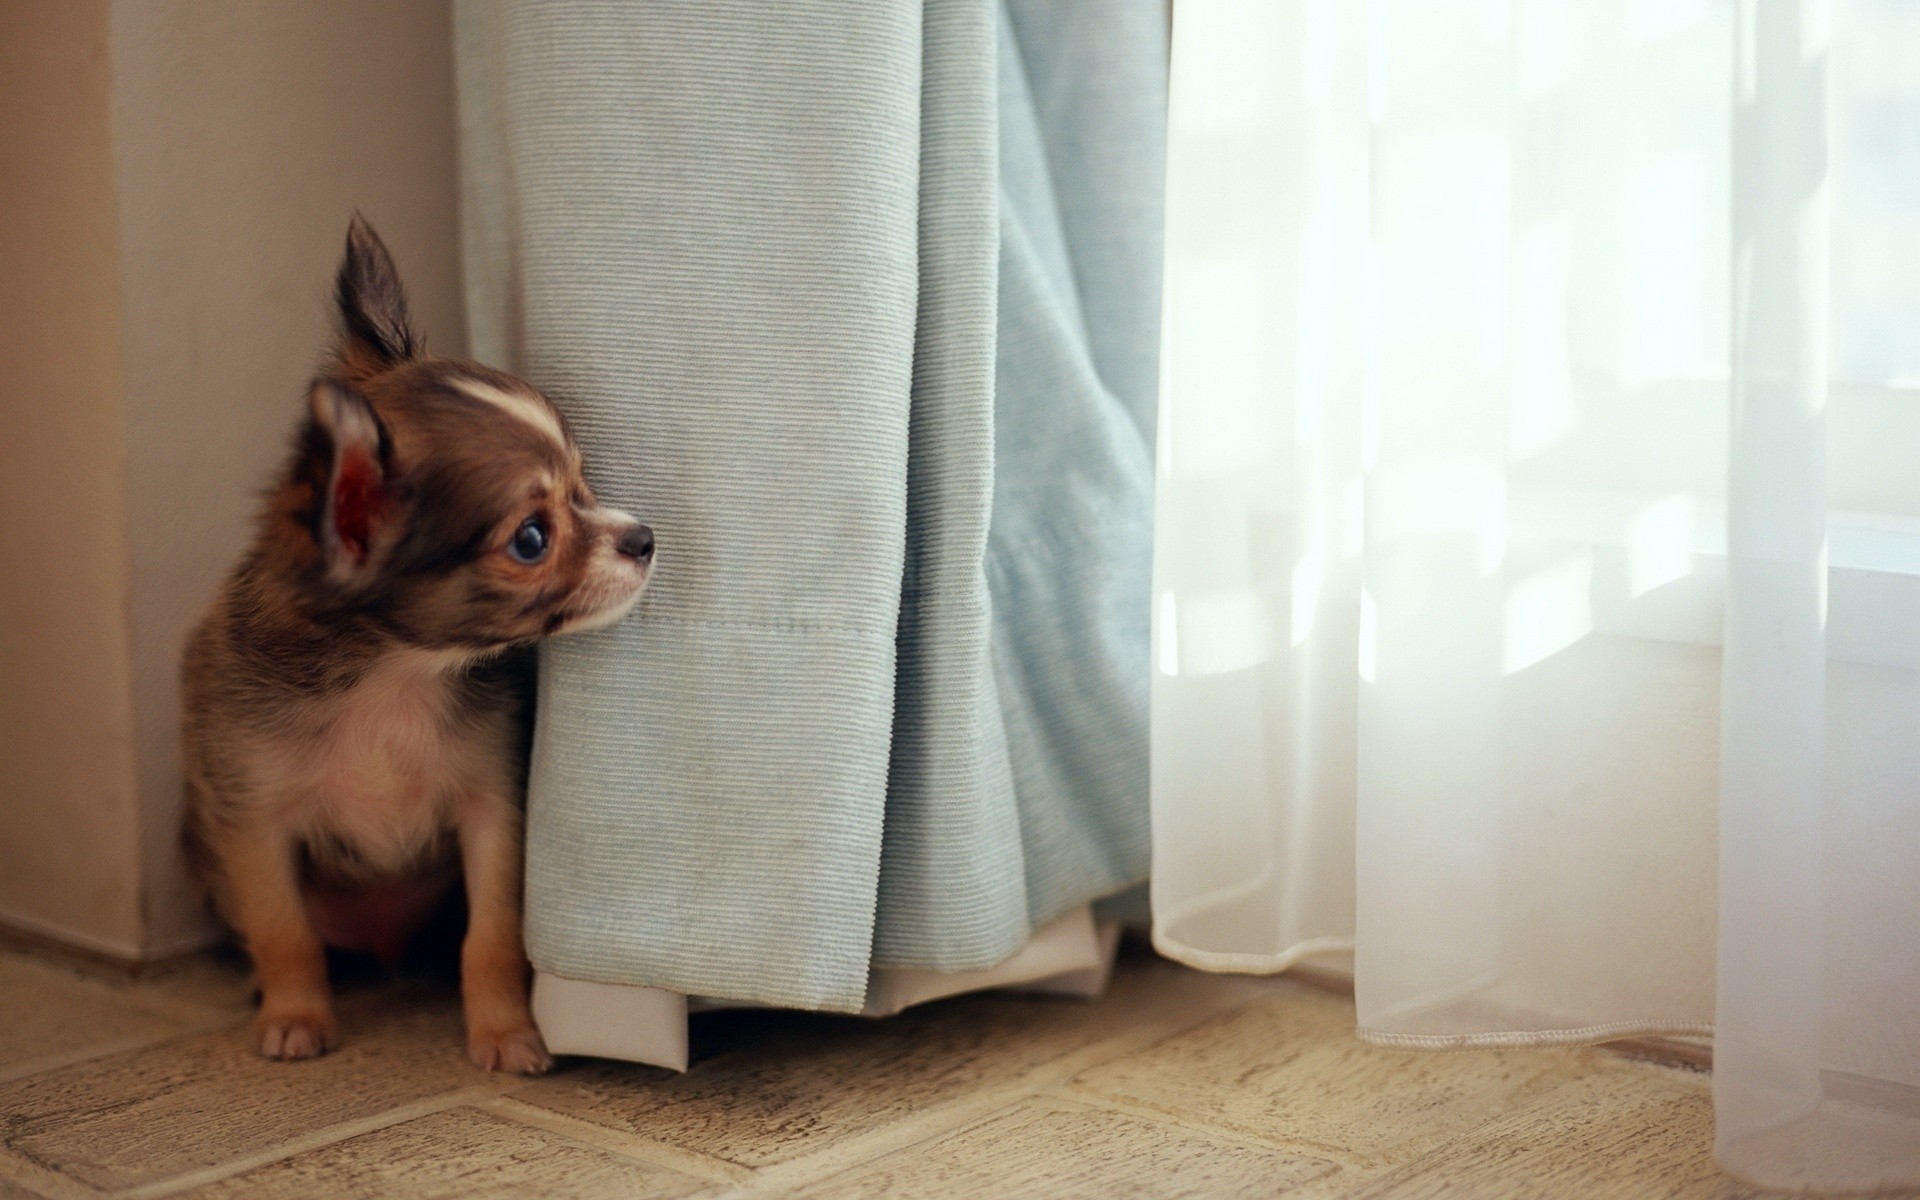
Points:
(1072, 955)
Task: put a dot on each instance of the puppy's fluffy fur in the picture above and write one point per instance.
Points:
(355, 697)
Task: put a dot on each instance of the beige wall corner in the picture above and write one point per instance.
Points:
(245, 135)
(69, 846)
(176, 178)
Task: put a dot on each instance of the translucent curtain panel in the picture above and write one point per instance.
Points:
(1519, 357)
(1442, 448)
(1254, 697)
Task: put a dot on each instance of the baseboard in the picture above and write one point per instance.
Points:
(45, 934)
(186, 946)
(53, 939)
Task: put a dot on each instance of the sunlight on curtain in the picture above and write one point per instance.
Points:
(1442, 559)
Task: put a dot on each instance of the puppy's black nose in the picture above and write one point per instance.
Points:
(637, 543)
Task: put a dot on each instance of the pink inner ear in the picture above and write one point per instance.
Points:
(356, 502)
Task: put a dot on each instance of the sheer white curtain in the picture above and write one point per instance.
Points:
(1537, 582)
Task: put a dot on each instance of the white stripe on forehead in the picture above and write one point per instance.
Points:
(530, 409)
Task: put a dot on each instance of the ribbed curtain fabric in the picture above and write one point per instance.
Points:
(1538, 535)
(856, 303)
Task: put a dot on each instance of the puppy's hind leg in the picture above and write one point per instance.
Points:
(493, 959)
(260, 892)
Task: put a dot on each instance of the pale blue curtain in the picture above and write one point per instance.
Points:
(857, 306)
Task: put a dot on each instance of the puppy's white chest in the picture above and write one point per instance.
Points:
(388, 764)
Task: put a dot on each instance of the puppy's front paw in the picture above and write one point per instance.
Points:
(296, 1034)
(519, 1050)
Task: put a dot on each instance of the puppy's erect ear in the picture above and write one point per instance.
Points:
(374, 331)
(358, 507)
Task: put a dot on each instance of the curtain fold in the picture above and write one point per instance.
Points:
(1817, 1036)
(1535, 567)
(1082, 129)
(813, 293)
(1774, 707)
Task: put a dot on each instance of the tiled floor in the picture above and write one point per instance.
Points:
(1176, 1084)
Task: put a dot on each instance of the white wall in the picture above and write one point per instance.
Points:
(69, 825)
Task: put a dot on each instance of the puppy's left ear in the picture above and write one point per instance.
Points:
(374, 330)
(358, 509)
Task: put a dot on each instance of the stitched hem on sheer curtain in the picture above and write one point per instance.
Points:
(1292, 956)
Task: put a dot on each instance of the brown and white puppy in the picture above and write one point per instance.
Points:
(355, 698)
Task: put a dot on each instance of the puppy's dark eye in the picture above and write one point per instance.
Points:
(529, 544)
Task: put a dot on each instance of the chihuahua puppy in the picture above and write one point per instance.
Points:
(355, 699)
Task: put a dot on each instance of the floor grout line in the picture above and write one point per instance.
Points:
(43, 1180)
(317, 1139)
(15, 1072)
(636, 1146)
(956, 1115)
(1335, 1155)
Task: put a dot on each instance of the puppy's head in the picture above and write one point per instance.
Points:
(442, 501)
